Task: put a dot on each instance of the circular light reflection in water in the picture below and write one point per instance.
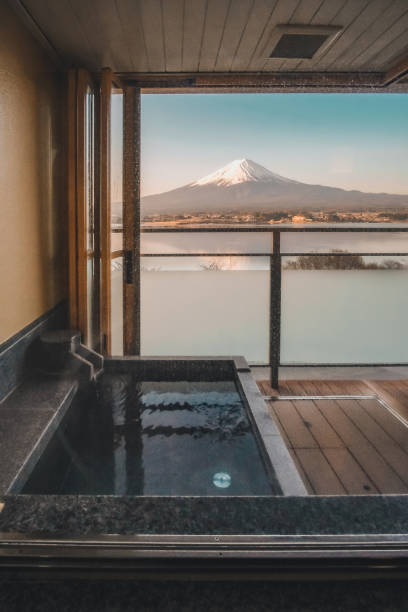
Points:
(222, 480)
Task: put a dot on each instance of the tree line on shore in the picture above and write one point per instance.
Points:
(339, 260)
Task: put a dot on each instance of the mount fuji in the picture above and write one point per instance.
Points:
(245, 186)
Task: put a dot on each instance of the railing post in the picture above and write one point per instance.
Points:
(275, 309)
(131, 221)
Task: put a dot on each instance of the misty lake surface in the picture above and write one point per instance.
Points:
(219, 305)
(291, 242)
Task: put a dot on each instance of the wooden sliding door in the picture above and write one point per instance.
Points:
(119, 215)
(104, 210)
(83, 191)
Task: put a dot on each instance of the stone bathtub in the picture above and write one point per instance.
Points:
(165, 427)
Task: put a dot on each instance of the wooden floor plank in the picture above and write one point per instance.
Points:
(295, 387)
(324, 388)
(264, 387)
(404, 384)
(335, 388)
(400, 384)
(356, 388)
(364, 389)
(302, 473)
(388, 394)
(389, 423)
(350, 446)
(324, 434)
(309, 387)
(400, 391)
(321, 475)
(393, 454)
(349, 472)
(396, 389)
(371, 461)
(284, 389)
(295, 428)
(342, 387)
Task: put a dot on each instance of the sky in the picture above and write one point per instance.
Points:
(353, 141)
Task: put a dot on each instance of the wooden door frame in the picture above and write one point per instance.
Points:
(109, 84)
(78, 83)
(72, 199)
(79, 80)
(105, 202)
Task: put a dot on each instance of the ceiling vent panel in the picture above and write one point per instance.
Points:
(300, 42)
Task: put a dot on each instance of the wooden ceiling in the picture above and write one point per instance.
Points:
(222, 36)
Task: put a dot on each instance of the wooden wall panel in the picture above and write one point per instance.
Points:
(304, 13)
(102, 23)
(133, 35)
(152, 22)
(193, 30)
(62, 26)
(345, 17)
(396, 40)
(232, 35)
(328, 13)
(218, 35)
(215, 21)
(81, 228)
(363, 19)
(257, 23)
(173, 14)
(282, 13)
(370, 40)
(71, 187)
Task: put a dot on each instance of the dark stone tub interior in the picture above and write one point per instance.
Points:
(133, 435)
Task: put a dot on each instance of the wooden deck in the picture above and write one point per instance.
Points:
(352, 446)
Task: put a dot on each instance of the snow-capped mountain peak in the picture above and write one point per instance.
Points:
(240, 171)
(245, 186)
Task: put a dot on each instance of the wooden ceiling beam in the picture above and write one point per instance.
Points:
(291, 79)
(397, 71)
(301, 80)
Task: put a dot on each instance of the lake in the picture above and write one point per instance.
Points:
(220, 305)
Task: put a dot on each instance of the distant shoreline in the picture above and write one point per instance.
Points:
(276, 219)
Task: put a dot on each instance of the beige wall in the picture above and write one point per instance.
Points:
(32, 194)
